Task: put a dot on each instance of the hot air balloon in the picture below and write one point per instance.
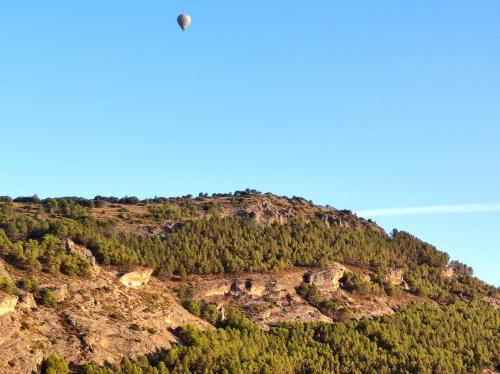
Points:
(184, 20)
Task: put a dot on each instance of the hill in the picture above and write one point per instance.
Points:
(241, 282)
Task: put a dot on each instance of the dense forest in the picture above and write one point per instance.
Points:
(460, 338)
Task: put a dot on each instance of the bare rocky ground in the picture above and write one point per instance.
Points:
(272, 298)
(102, 319)
(264, 298)
(98, 320)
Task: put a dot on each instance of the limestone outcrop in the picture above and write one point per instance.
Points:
(99, 320)
(215, 288)
(266, 213)
(136, 278)
(326, 279)
(331, 219)
(59, 292)
(236, 287)
(7, 303)
(395, 276)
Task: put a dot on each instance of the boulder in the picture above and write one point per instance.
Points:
(136, 278)
(26, 301)
(395, 276)
(60, 292)
(7, 303)
(326, 279)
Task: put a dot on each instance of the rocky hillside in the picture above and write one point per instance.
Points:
(86, 283)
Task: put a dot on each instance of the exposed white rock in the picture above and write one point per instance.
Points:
(215, 288)
(60, 292)
(253, 287)
(326, 279)
(26, 301)
(395, 276)
(7, 303)
(222, 311)
(136, 278)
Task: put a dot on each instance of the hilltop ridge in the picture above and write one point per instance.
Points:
(265, 208)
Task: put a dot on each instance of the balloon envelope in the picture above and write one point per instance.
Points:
(184, 20)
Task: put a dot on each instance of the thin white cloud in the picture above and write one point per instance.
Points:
(435, 209)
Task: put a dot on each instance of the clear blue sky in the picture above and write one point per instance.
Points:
(361, 105)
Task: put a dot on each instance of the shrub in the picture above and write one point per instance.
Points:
(209, 313)
(47, 298)
(30, 285)
(352, 282)
(135, 327)
(55, 365)
(192, 306)
(6, 285)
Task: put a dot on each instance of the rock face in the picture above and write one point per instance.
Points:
(395, 276)
(235, 287)
(215, 288)
(326, 279)
(247, 287)
(136, 278)
(331, 219)
(7, 303)
(265, 298)
(266, 213)
(73, 248)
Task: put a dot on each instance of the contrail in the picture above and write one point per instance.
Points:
(434, 209)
